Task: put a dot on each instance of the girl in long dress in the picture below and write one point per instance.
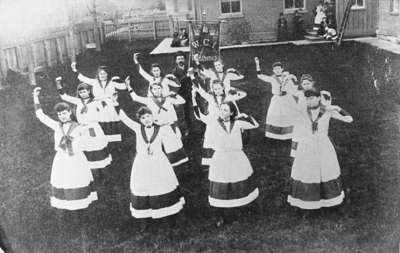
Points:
(94, 140)
(232, 181)
(307, 82)
(154, 187)
(279, 123)
(70, 173)
(214, 99)
(105, 90)
(315, 177)
(164, 115)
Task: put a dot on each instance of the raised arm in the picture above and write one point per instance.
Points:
(197, 113)
(204, 94)
(64, 96)
(247, 122)
(176, 99)
(172, 81)
(260, 76)
(82, 78)
(135, 97)
(142, 72)
(234, 75)
(340, 114)
(53, 124)
(129, 122)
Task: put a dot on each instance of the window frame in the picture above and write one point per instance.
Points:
(231, 14)
(359, 7)
(392, 11)
(291, 10)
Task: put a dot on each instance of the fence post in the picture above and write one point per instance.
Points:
(130, 31)
(47, 49)
(71, 44)
(60, 50)
(154, 29)
(31, 65)
(102, 33)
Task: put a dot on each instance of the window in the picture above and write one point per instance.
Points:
(231, 6)
(358, 4)
(294, 4)
(394, 6)
(190, 5)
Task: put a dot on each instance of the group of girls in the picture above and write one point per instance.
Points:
(298, 112)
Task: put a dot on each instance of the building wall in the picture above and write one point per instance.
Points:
(260, 15)
(362, 22)
(388, 22)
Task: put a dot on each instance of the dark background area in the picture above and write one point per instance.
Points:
(367, 150)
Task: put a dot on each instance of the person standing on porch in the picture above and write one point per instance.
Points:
(282, 28)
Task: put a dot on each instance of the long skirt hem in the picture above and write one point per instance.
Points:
(230, 203)
(309, 205)
(158, 213)
(73, 204)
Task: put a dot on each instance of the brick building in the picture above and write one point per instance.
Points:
(256, 20)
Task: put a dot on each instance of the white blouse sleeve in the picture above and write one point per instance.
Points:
(129, 122)
(53, 124)
(87, 80)
(70, 99)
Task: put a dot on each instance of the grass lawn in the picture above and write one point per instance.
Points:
(368, 151)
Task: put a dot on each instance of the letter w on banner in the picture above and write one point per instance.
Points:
(204, 40)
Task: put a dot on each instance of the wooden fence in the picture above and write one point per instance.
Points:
(47, 50)
(153, 29)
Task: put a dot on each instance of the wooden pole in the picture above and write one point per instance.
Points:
(31, 65)
(130, 31)
(96, 27)
(47, 49)
(60, 50)
(154, 29)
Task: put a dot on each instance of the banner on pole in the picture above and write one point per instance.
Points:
(204, 40)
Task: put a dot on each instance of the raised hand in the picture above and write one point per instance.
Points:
(58, 82)
(128, 83)
(36, 92)
(256, 60)
(73, 67)
(136, 58)
(242, 115)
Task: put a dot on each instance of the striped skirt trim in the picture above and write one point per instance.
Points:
(229, 203)
(309, 205)
(72, 201)
(157, 206)
(277, 132)
(315, 191)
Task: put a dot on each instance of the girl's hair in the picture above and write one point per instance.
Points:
(179, 53)
(219, 60)
(156, 65)
(106, 69)
(232, 108)
(277, 64)
(84, 86)
(142, 111)
(314, 92)
(62, 106)
(215, 82)
(306, 77)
